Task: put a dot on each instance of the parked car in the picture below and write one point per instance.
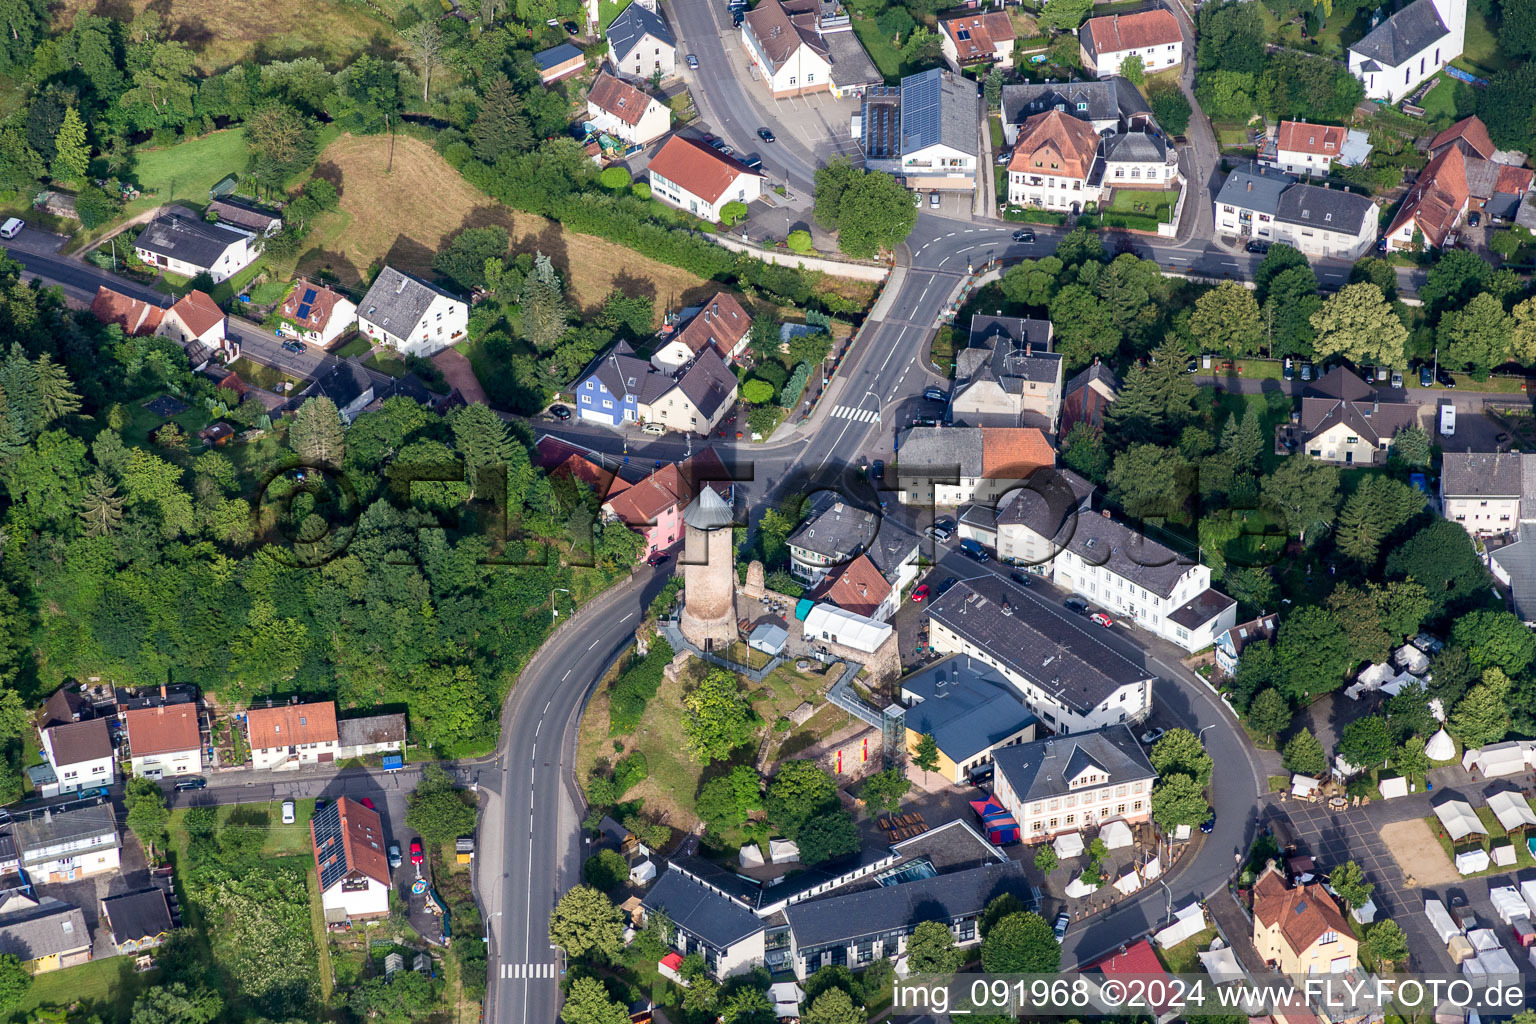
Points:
(1208, 825)
(560, 412)
(920, 593)
(1020, 578)
(1426, 377)
(1288, 369)
(879, 471)
(1306, 371)
(1100, 619)
(945, 523)
(1501, 438)
(1474, 219)
(737, 18)
(1397, 378)
(12, 227)
(196, 782)
(288, 816)
(948, 582)
(693, 62)
(1024, 235)
(937, 533)
(659, 558)
(718, 146)
(1445, 379)
(765, 135)
(1076, 604)
(368, 803)
(934, 394)
(293, 346)
(394, 856)
(571, 28)
(1063, 919)
(974, 549)
(753, 163)
(1257, 247)
(416, 855)
(1151, 736)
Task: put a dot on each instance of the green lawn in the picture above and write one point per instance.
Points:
(261, 376)
(104, 987)
(359, 345)
(188, 170)
(1480, 53)
(386, 364)
(141, 421)
(1147, 201)
(281, 840)
(1448, 100)
(879, 47)
(1182, 959)
(1495, 831)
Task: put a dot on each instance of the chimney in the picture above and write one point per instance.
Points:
(1029, 349)
(401, 286)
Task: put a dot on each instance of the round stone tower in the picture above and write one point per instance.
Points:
(709, 573)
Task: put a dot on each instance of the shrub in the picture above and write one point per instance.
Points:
(781, 582)
(95, 207)
(614, 178)
(790, 393)
(629, 773)
(637, 685)
(782, 724)
(457, 154)
(1034, 216)
(732, 212)
(642, 190)
(799, 241)
(764, 419)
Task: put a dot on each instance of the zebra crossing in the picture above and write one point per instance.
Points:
(846, 412)
(509, 971)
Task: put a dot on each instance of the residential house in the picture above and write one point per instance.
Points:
(721, 324)
(349, 385)
(640, 44)
(134, 316)
(1346, 421)
(1482, 491)
(195, 318)
(1031, 524)
(411, 315)
(559, 62)
(1514, 564)
(1088, 396)
(1007, 376)
(45, 934)
(623, 111)
(1301, 147)
(702, 393)
(1299, 929)
(950, 466)
(1138, 961)
(374, 734)
(726, 933)
(970, 709)
(1110, 105)
(66, 704)
(804, 46)
(1066, 690)
(1153, 35)
(1139, 159)
(617, 386)
(1408, 47)
(978, 37)
(1259, 202)
(289, 735)
(164, 741)
(1232, 642)
(1071, 782)
(1464, 173)
(858, 587)
(179, 243)
(316, 314)
(246, 216)
(61, 844)
(80, 754)
(138, 921)
(348, 840)
(691, 176)
(654, 506)
(833, 534)
(1053, 163)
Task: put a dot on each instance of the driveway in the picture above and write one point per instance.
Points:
(455, 367)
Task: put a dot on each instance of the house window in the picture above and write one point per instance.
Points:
(607, 404)
(1328, 937)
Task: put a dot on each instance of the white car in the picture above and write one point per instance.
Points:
(1151, 736)
(288, 815)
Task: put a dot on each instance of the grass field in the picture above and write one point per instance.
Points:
(281, 840)
(225, 32)
(879, 47)
(404, 215)
(260, 376)
(1480, 52)
(1148, 201)
(105, 988)
(186, 171)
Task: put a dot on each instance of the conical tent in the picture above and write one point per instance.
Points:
(1440, 747)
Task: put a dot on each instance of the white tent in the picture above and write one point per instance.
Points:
(1503, 852)
(1440, 920)
(1302, 785)
(1508, 903)
(1116, 834)
(1440, 747)
(1512, 810)
(1392, 787)
(1459, 820)
(782, 851)
(1152, 868)
(834, 624)
(786, 998)
(1221, 963)
(1483, 939)
(1186, 922)
(1128, 882)
(1077, 888)
(1412, 659)
(1497, 759)
(642, 872)
(1365, 914)
(1496, 962)
(751, 856)
(1473, 861)
(1437, 709)
(1068, 844)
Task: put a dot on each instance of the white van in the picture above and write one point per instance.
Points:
(12, 227)
(1447, 421)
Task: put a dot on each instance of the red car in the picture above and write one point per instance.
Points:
(416, 857)
(368, 803)
(920, 593)
(1101, 619)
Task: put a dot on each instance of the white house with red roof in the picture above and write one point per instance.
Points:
(348, 841)
(620, 109)
(978, 37)
(1465, 173)
(722, 324)
(317, 314)
(690, 176)
(1301, 147)
(195, 318)
(1154, 36)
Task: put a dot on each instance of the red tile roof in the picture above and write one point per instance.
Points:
(362, 842)
(1437, 198)
(696, 168)
(1513, 180)
(163, 730)
(675, 484)
(1055, 143)
(199, 312)
(604, 483)
(1134, 31)
(1138, 960)
(1014, 452)
(132, 315)
(618, 98)
(1304, 912)
(722, 322)
(856, 587)
(1469, 130)
(320, 307)
(291, 724)
(1317, 139)
(979, 35)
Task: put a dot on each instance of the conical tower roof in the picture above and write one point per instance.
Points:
(708, 511)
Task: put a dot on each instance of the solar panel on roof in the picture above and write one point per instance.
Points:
(333, 862)
(309, 295)
(304, 311)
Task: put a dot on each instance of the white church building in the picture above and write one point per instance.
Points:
(1409, 47)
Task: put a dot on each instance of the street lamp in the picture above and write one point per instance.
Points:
(1169, 891)
(1201, 734)
(553, 611)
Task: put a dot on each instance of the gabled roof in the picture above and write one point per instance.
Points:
(134, 316)
(1095, 372)
(633, 24)
(348, 840)
(977, 35)
(700, 911)
(938, 108)
(1109, 99)
(397, 301)
(708, 383)
(1133, 31)
(179, 236)
(48, 929)
(198, 311)
(65, 705)
(695, 167)
(991, 453)
(1330, 209)
(1481, 474)
(310, 305)
(77, 742)
(1055, 143)
(167, 729)
(1471, 133)
(1245, 633)
(291, 724)
(1436, 199)
(346, 382)
(722, 322)
(244, 215)
(549, 59)
(357, 732)
(1304, 912)
(673, 484)
(1046, 768)
(856, 587)
(780, 32)
(137, 916)
(1254, 187)
(1402, 36)
(835, 529)
(624, 374)
(618, 98)
(1305, 137)
(40, 832)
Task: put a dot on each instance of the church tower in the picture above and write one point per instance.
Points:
(709, 573)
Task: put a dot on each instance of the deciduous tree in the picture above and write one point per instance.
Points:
(1494, 639)
(883, 791)
(585, 923)
(1178, 800)
(1021, 943)
(437, 809)
(827, 837)
(1366, 743)
(799, 791)
(1482, 716)
(1306, 494)
(719, 717)
(1180, 752)
(1226, 320)
(588, 1002)
(1269, 714)
(1348, 880)
(926, 754)
(1357, 323)
(931, 950)
(1476, 336)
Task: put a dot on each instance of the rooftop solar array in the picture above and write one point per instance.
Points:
(328, 844)
(304, 311)
(920, 109)
(309, 295)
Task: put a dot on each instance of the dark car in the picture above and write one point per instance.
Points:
(1426, 377)
(949, 581)
(945, 523)
(935, 394)
(1063, 919)
(754, 163)
(1257, 247)
(1208, 825)
(737, 18)
(1076, 604)
(693, 62)
(1474, 219)
(717, 145)
(1289, 371)
(293, 346)
(1024, 235)
(570, 27)
(1193, 366)
(879, 469)
(659, 558)
(1019, 578)
(1445, 379)
(560, 412)
(192, 783)
(1306, 371)
(765, 135)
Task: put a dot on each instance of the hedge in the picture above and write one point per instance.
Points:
(1133, 221)
(1034, 216)
(789, 394)
(638, 684)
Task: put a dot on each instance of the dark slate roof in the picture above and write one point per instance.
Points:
(995, 616)
(1342, 397)
(346, 383)
(1331, 208)
(138, 915)
(633, 24)
(51, 927)
(926, 448)
(889, 549)
(52, 826)
(1403, 35)
(997, 352)
(1253, 187)
(701, 911)
(80, 741)
(1481, 474)
(836, 530)
(966, 705)
(1095, 371)
(1340, 383)
(708, 382)
(66, 704)
(355, 732)
(938, 108)
(1201, 608)
(1102, 541)
(1045, 768)
(1518, 560)
(397, 301)
(556, 55)
(849, 917)
(140, 698)
(1049, 504)
(182, 237)
(1135, 147)
(624, 373)
(1108, 99)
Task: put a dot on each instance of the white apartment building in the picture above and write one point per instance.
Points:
(1068, 783)
(69, 842)
(1154, 36)
(1482, 491)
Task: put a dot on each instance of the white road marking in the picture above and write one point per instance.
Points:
(945, 260)
(845, 412)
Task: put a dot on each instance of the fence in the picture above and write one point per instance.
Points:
(859, 271)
